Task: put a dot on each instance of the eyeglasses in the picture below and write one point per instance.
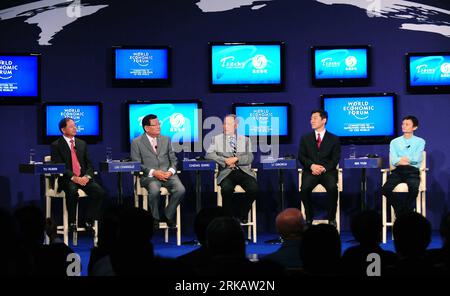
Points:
(157, 123)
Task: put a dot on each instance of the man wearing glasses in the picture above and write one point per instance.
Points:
(234, 156)
(159, 165)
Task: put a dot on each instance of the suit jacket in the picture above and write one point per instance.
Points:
(142, 151)
(60, 152)
(220, 149)
(328, 155)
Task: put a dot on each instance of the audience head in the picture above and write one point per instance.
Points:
(367, 228)
(412, 234)
(109, 227)
(31, 224)
(203, 219)
(135, 226)
(225, 238)
(445, 230)
(290, 223)
(320, 249)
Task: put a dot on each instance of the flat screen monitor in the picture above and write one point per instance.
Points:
(246, 66)
(361, 118)
(428, 72)
(263, 119)
(86, 115)
(340, 65)
(141, 66)
(180, 119)
(20, 78)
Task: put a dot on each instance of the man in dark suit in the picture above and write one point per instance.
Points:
(319, 154)
(78, 174)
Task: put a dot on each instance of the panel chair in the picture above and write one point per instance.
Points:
(403, 188)
(320, 189)
(51, 192)
(251, 224)
(141, 192)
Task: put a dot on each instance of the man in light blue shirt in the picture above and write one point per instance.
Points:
(405, 154)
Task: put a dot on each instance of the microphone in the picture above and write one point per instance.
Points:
(408, 146)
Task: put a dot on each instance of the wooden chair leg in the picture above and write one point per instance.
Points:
(65, 222)
(384, 217)
(254, 221)
(75, 234)
(166, 231)
(178, 225)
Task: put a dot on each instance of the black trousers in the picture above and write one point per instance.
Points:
(327, 180)
(248, 183)
(95, 196)
(402, 174)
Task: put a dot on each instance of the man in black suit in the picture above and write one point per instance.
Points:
(319, 154)
(78, 174)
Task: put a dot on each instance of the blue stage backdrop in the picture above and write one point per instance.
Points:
(77, 64)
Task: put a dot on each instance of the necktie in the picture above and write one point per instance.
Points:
(154, 145)
(76, 168)
(233, 150)
(233, 145)
(319, 141)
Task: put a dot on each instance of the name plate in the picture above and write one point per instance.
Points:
(279, 164)
(199, 165)
(362, 163)
(42, 168)
(119, 167)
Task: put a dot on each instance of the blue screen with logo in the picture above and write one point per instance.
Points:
(86, 118)
(360, 116)
(141, 64)
(179, 121)
(340, 63)
(263, 120)
(429, 70)
(19, 76)
(246, 64)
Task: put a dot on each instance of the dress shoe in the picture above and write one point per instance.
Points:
(89, 226)
(333, 222)
(171, 223)
(73, 227)
(243, 220)
(155, 225)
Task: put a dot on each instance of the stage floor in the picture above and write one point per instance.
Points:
(254, 251)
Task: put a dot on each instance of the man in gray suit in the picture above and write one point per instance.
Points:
(159, 165)
(233, 154)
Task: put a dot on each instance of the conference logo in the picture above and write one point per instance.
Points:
(359, 109)
(423, 69)
(230, 63)
(177, 121)
(260, 121)
(350, 62)
(445, 70)
(141, 58)
(329, 63)
(7, 69)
